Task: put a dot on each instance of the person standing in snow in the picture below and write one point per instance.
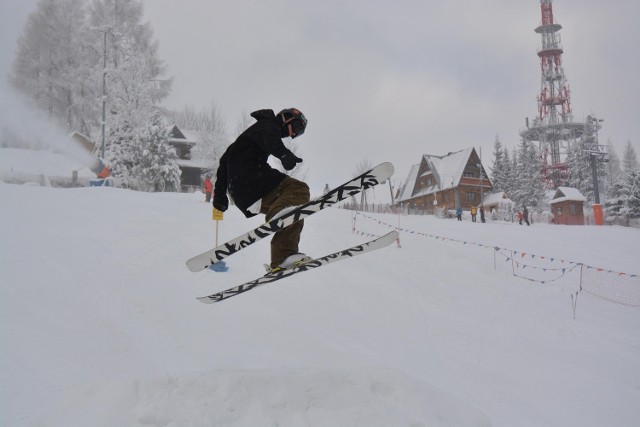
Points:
(474, 213)
(256, 187)
(519, 217)
(525, 215)
(208, 188)
(459, 213)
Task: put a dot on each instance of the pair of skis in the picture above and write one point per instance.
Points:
(368, 179)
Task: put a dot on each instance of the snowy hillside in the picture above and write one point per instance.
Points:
(100, 325)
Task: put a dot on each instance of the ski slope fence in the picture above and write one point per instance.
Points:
(615, 286)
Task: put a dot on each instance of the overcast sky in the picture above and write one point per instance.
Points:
(390, 81)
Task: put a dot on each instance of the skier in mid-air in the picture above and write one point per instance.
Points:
(256, 187)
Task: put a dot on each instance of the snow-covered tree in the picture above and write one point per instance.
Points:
(629, 159)
(155, 160)
(632, 190)
(512, 171)
(613, 170)
(120, 148)
(579, 166)
(134, 70)
(53, 64)
(62, 56)
(529, 189)
(626, 204)
(500, 168)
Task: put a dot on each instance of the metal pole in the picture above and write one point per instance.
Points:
(104, 93)
(594, 173)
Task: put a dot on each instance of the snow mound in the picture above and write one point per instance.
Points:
(344, 397)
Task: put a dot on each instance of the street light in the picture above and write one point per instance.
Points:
(104, 30)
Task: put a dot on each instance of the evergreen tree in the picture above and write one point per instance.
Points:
(512, 186)
(155, 160)
(120, 146)
(499, 168)
(510, 175)
(530, 188)
(626, 205)
(629, 159)
(632, 190)
(613, 170)
(579, 164)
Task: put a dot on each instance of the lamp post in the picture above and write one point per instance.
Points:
(596, 154)
(104, 30)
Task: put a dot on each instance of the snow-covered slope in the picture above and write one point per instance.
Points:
(100, 326)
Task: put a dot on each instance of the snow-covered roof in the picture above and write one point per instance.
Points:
(449, 168)
(495, 198)
(180, 136)
(188, 163)
(447, 171)
(564, 194)
(409, 183)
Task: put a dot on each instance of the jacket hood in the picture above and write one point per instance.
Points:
(266, 114)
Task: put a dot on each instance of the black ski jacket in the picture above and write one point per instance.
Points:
(243, 171)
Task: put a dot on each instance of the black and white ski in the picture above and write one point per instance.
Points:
(370, 178)
(369, 246)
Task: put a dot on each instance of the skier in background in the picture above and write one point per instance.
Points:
(256, 187)
(208, 188)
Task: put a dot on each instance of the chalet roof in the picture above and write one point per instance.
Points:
(447, 171)
(179, 136)
(409, 183)
(189, 163)
(450, 167)
(564, 194)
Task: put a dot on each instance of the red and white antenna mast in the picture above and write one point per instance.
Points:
(554, 104)
(553, 128)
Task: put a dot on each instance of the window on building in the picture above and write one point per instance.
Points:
(573, 209)
(559, 211)
(471, 197)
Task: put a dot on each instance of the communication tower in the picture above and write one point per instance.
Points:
(553, 128)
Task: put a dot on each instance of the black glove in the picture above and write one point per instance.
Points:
(290, 160)
(221, 203)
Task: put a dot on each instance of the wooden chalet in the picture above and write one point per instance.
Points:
(183, 141)
(445, 182)
(567, 206)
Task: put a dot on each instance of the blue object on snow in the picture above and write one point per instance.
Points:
(219, 266)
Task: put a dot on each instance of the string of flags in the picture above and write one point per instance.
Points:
(570, 265)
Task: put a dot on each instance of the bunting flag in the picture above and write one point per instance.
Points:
(572, 264)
